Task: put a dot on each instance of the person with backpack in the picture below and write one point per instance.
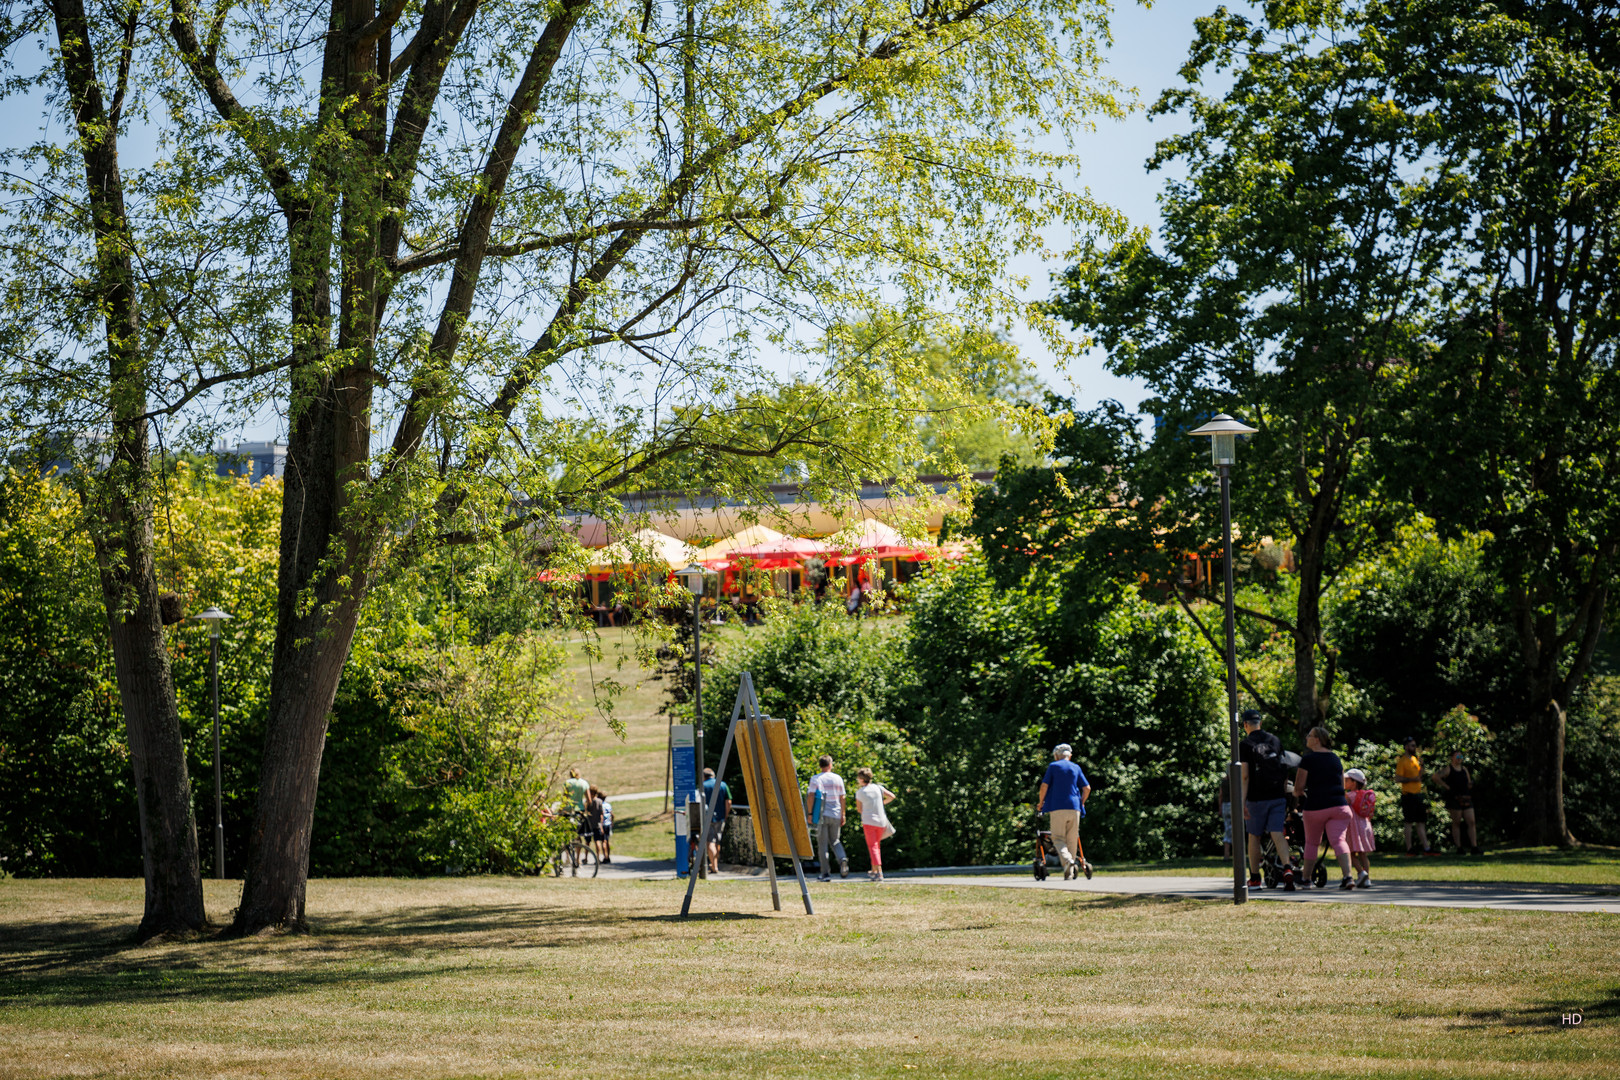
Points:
(1363, 803)
(1265, 796)
(824, 803)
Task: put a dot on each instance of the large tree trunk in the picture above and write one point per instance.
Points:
(1544, 647)
(1310, 553)
(325, 549)
(312, 645)
(174, 897)
(1544, 776)
(1309, 707)
(120, 509)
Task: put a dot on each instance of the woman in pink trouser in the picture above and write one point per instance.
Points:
(871, 797)
(1319, 786)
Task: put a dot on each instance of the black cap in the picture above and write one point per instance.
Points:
(1251, 716)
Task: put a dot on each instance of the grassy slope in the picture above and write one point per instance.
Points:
(532, 976)
(638, 761)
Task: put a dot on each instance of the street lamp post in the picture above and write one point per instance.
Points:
(1222, 433)
(213, 617)
(692, 577)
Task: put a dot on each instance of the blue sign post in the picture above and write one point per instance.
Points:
(685, 786)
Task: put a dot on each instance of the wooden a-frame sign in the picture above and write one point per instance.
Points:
(766, 758)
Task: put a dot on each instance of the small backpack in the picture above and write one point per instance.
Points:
(1362, 802)
(1268, 764)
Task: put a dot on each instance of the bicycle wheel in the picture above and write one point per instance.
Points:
(594, 859)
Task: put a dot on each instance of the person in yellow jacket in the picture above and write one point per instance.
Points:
(1414, 807)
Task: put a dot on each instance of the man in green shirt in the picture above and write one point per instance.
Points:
(577, 789)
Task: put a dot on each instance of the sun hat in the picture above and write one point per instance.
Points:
(1357, 775)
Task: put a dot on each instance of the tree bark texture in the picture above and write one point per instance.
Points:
(119, 501)
(325, 551)
(1544, 776)
(327, 543)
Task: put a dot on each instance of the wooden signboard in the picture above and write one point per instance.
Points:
(774, 800)
(790, 831)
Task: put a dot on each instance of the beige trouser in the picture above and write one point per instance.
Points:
(1066, 835)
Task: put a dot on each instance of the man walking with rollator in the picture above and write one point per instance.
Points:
(1064, 791)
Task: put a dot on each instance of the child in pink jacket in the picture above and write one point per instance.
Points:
(1361, 803)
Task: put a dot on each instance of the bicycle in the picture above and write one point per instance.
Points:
(578, 851)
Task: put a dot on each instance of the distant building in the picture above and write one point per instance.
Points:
(254, 460)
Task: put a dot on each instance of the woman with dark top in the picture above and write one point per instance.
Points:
(1456, 786)
(1319, 786)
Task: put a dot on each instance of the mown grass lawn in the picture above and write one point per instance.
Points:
(541, 977)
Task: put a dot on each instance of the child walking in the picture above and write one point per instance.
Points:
(1362, 845)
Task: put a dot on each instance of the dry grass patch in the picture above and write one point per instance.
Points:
(596, 978)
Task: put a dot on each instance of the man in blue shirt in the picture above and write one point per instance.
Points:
(1064, 791)
(721, 812)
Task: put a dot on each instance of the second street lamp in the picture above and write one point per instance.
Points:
(213, 617)
(692, 577)
(1222, 433)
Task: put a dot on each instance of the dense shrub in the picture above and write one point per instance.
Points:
(425, 768)
(1002, 675)
(68, 805)
(1592, 763)
(957, 710)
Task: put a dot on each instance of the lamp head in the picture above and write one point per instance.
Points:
(1222, 432)
(692, 576)
(213, 617)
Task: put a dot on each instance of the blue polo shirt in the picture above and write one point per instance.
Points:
(1063, 782)
(725, 794)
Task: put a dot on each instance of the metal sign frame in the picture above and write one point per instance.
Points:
(747, 712)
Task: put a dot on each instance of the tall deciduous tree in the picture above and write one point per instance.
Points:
(1516, 425)
(524, 255)
(1291, 285)
(95, 305)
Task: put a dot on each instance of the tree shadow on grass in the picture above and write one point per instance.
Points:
(1121, 901)
(445, 920)
(1546, 1014)
(697, 916)
(93, 960)
(134, 984)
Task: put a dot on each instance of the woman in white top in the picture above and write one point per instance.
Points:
(872, 797)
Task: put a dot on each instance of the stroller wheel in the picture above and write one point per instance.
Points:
(1319, 874)
(1040, 869)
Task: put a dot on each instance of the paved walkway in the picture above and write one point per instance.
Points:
(1506, 897)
